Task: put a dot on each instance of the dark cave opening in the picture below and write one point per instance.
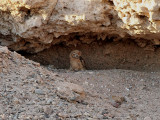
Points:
(101, 55)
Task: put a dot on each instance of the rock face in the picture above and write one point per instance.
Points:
(140, 17)
(36, 25)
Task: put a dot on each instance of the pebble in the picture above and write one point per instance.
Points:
(147, 118)
(63, 115)
(3, 117)
(48, 110)
(117, 101)
(16, 101)
(4, 50)
(90, 72)
(86, 114)
(105, 111)
(105, 117)
(49, 101)
(115, 104)
(39, 91)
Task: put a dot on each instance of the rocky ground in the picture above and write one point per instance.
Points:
(29, 91)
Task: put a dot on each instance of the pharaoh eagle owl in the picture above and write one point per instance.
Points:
(76, 61)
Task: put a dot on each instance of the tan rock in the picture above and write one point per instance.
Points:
(4, 50)
(3, 117)
(70, 91)
(45, 22)
(117, 101)
(48, 110)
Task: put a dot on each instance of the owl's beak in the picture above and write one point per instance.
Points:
(77, 56)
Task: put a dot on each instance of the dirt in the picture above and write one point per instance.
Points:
(28, 92)
(140, 89)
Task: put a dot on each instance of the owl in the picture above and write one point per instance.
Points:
(76, 61)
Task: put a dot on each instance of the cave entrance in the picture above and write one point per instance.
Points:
(100, 55)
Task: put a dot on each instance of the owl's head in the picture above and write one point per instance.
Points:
(75, 54)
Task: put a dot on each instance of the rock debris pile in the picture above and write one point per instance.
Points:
(27, 90)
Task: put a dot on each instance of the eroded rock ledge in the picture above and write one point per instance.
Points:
(36, 25)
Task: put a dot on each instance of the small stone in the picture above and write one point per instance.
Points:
(39, 91)
(42, 117)
(70, 91)
(46, 115)
(111, 115)
(105, 111)
(115, 104)
(63, 115)
(84, 103)
(117, 101)
(147, 118)
(86, 114)
(90, 72)
(4, 50)
(134, 116)
(3, 117)
(91, 118)
(131, 107)
(49, 101)
(105, 117)
(15, 117)
(47, 110)
(16, 101)
(36, 118)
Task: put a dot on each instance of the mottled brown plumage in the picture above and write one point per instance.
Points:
(76, 61)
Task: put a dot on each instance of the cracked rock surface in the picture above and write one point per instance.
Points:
(35, 26)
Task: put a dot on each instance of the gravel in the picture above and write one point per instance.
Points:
(28, 91)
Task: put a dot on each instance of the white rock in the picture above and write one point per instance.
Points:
(4, 50)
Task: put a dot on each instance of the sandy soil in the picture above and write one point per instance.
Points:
(28, 92)
(140, 89)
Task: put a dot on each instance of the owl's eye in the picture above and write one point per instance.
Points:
(75, 55)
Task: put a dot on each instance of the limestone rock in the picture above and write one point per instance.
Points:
(35, 26)
(4, 50)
